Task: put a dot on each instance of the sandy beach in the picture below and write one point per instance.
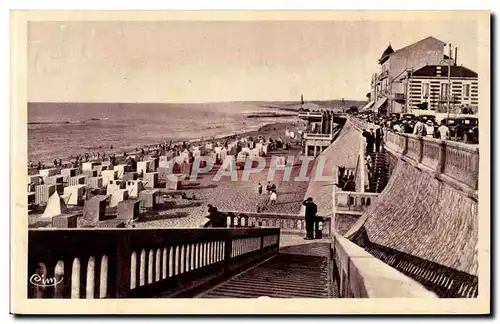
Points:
(226, 194)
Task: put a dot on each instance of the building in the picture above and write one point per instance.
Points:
(429, 88)
(388, 89)
(318, 134)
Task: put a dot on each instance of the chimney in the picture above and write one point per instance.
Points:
(455, 56)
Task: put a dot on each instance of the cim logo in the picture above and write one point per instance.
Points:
(42, 281)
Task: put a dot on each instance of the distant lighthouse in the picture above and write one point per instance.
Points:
(301, 99)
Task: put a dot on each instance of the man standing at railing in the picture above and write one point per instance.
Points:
(420, 128)
(443, 131)
(215, 218)
(311, 210)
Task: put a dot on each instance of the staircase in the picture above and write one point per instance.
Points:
(379, 172)
(303, 271)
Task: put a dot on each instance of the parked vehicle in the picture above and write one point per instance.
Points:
(425, 118)
(409, 116)
(468, 130)
(464, 129)
(395, 115)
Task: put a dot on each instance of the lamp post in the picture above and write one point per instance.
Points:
(448, 92)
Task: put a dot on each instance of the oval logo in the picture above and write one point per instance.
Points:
(41, 281)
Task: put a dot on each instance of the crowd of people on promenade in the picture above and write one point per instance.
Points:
(418, 126)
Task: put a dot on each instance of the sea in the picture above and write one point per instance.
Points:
(62, 130)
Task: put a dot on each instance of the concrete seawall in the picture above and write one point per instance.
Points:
(422, 216)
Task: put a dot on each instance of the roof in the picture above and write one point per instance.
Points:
(455, 72)
(388, 51)
(384, 57)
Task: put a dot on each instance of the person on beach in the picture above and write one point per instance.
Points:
(215, 218)
(268, 187)
(260, 188)
(273, 188)
(310, 216)
(60, 162)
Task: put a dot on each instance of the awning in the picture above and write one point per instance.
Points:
(368, 105)
(379, 104)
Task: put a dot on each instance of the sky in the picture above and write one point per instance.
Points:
(211, 61)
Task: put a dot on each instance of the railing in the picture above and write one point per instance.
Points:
(445, 282)
(354, 201)
(137, 263)
(313, 136)
(287, 223)
(456, 161)
(396, 142)
(383, 74)
(432, 153)
(361, 275)
(414, 148)
(310, 114)
(461, 162)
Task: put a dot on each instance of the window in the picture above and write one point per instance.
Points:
(466, 90)
(444, 91)
(425, 90)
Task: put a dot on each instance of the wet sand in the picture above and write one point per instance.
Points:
(272, 129)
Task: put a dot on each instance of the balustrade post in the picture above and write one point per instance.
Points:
(442, 157)
(476, 173)
(405, 144)
(420, 149)
(262, 245)
(228, 247)
(121, 266)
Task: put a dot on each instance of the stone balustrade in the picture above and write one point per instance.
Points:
(138, 263)
(396, 142)
(354, 201)
(453, 162)
(361, 275)
(310, 114)
(312, 136)
(290, 224)
(414, 150)
(461, 162)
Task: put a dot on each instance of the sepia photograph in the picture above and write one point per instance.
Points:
(274, 158)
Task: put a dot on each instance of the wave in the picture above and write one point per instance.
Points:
(212, 127)
(97, 119)
(55, 122)
(65, 122)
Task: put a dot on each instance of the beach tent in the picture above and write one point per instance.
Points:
(55, 206)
